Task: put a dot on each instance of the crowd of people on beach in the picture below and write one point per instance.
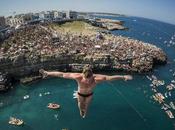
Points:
(33, 41)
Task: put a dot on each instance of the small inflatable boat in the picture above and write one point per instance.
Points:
(15, 121)
(53, 106)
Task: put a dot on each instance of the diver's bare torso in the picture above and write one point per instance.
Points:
(85, 86)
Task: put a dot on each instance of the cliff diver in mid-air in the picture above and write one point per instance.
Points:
(86, 83)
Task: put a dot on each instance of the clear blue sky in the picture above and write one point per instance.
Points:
(163, 10)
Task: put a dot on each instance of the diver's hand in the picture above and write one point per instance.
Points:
(43, 72)
(128, 77)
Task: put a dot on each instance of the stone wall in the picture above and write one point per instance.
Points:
(18, 67)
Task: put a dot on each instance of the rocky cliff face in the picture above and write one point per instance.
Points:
(19, 67)
(5, 82)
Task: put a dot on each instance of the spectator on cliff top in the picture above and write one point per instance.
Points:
(86, 83)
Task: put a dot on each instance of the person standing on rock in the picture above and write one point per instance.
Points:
(86, 83)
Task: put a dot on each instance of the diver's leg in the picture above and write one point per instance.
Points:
(81, 105)
(87, 102)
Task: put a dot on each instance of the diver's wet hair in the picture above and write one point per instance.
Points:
(87, 71)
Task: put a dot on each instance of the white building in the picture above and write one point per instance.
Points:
(55, 14)
(41, 15)
(71, 15)
(61, 15)
(67, 14)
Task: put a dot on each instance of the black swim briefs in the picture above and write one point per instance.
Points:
(85, 95)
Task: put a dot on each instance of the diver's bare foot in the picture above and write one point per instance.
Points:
(43, 72)
(84, 116)
(82, 113)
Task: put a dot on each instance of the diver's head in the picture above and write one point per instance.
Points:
(87, 71)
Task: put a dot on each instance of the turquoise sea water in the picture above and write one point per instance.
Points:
(117, 105)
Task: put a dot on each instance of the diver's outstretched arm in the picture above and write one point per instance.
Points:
(53, 74)
(59, 74)
(118, 77)
(100, 78)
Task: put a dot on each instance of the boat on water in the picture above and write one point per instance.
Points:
(159, 97)
(166, 95)
(161, 82)
(172, 81)
(155, 98)
(172, 105)
(174, 74)
(26, 97)
(165, 42)
(170, 70)
(166, 105)
(154, 77)
(53, 106)
(15, 121)
(157, 83)
(170, 114)
(151, 85)
(47, 93)
(164, 108)
(149, 78)
(170, 86)
(169, 94)
(154, 90)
